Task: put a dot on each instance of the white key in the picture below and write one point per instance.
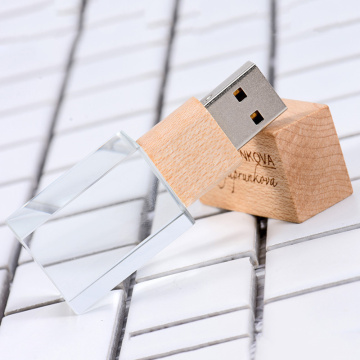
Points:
(20, 162)
(320, 15)
(191, 335)
(29, 25)
(320, 45)
(210, 240)
(110, 37)
(101, 12)
(12, 197)
(351, 148)
(4, 289)
(31, 288)
(69, 148)
(54, 331)
(66, 7)
(230, 350)
(8, 249)
(342, 216)
(159, 12)
(18, 6)
(342, 111)
(314, 264)
(124, 100)
(25, 126)
(320, 84)
(39, 56)
(186, 49)
(190, 295)
(116, 69)
(41, 89)
(210, 15)
(319, 325)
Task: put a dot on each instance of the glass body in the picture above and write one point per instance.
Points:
(91, 228)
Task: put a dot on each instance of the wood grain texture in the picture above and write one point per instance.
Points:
(291, 170)
(190, 150)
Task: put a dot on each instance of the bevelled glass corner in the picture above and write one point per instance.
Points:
(91, 228)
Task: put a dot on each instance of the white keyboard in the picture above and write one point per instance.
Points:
(234, 286)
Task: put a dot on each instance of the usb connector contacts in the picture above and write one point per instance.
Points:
(244, 104)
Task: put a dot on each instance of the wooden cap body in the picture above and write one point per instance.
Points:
(291, 170)
(190, 150)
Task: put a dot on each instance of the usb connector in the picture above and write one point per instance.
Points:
(244, 104)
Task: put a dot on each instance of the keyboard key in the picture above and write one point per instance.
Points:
(211, 240)
(20, 162)
(69, 148)
(31, 288)
(55, 332)
(320, 16)
(159, 13)
(16, 7)
(187, 51)
(116, 69)
(101, 12)
(320, 45)
(39, 90)
(109, 104)
(311, 265)
(17, 128)
(319, 325)
(41, 56)
(179, 298)
(342, 216)
(191, 336)
(343, 111)
(43, 21)
(100, 41)
(321, 84)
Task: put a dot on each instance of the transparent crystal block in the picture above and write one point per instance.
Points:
(91, 228)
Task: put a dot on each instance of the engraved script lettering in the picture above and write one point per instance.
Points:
(259, 159)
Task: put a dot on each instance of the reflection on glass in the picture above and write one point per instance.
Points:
(95, 217)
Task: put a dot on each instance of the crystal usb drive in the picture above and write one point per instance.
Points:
(87, 230)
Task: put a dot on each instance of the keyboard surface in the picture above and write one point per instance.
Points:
(232, 287)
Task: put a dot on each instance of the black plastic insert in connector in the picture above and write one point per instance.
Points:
(240, 94)
(256, 117)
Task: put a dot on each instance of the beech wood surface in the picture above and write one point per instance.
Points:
(291, 170)
(190, 150)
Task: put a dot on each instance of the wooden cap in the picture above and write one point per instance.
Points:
(291, 170)
(190, 150)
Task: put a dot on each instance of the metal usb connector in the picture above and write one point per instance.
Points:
(244, 104)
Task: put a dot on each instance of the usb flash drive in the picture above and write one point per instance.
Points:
(90, 252)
